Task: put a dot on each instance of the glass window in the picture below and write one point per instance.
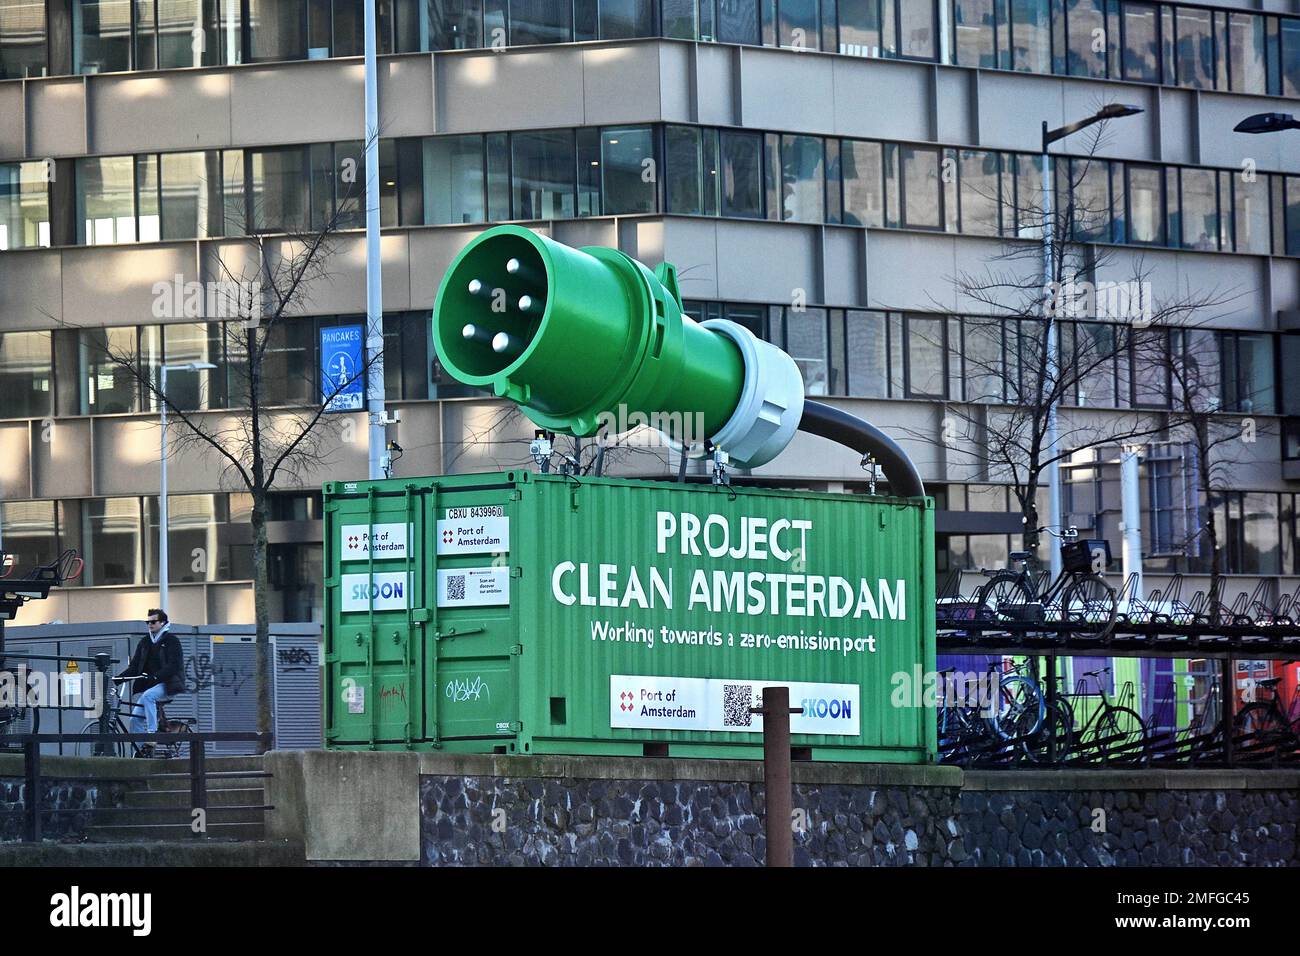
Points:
(540, 21)
(453, 180)
(451, 24)
(867, 358)
(1260, 533)
(982, 356)
(191, 197)
(685, 171)
(1090, 180)
(105, 200)
(24, 205)
(1292, 216)
(738, 21)
(111, 536)
(627, 166)
(1141, 42)
(921, 187)
(798, 24)
(187, 33)
(1290, 57)
(1194, 48)
(1200, 208)
(200, 343)
(860, 27)
(1146, 206)
(742, 174)
(806, 342)
(1248, 384)
(146, 192)
(406, 356)
(589, 171)
(277, 29)
(803, 182)
(863, 183)
(349, 36)
(979, 192)
(233, 197)
(279, 189)
(624, 19)
(26, 373)
(22, 38)
(288, 367)
(680, 18)
(544, 167)
(29, 531)
(1095, 361)
(915, 28)
(196, 525)
(1248, 73)
(925, 346)
(101, 35)
(1031, 36)
(1086, 30)
(1151, 367)
(107, 359)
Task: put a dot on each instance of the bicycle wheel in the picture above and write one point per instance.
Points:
(1019, 709)
(1121, 734)
(112, 748)
(1266, 727)
(1090, 600)
(1001, 596)
(1060, 723)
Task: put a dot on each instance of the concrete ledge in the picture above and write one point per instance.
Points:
(680, 768)
(83, 768)
(1219, 779)
(198, 853)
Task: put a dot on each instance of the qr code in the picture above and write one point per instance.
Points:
(736, 701)
(455, 587)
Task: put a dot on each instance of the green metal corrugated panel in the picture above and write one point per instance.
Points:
(530, 675)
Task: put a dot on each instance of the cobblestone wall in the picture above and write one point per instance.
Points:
(82, 795)
(471, 820)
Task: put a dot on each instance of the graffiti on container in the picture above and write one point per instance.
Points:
(201, 673)
(461, 690)
(392, 694)
(293, 658)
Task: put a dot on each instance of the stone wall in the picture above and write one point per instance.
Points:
(984, 819)
(84, 796)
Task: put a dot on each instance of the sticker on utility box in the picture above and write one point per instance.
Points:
(473, 535)
(699, 703)
(381, 541)
(355, 695)
(384, 592)
(474, 587)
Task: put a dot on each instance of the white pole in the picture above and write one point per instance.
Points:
(377, 434)
(1052, 370)
(1131, 514)
(162, 497)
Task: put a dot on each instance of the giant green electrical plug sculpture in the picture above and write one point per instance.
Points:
(578, 335)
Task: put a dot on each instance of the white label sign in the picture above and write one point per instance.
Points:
(356, 699)
(385, 540)
(698, 703)
(473, 536)
(390, 591)
(474, 587)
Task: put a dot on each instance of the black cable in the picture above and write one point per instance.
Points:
(866, 439)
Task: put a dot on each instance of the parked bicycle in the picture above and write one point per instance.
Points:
(1080, 595)
(119, 709)
(1267, 721)
(1113, 731)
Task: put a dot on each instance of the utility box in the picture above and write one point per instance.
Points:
(532, 613)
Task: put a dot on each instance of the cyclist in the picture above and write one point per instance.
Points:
(158, 662)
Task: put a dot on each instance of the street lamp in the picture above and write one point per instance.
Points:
(1110, 111)
(1267, 123)
(162, 481)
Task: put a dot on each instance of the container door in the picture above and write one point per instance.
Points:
(376, 602)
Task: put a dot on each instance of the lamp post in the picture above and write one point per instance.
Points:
(162, 479)
(376, 414)
(1111, 111)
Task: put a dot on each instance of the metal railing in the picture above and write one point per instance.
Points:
(198, 774)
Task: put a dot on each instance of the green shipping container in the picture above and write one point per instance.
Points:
(526, 613)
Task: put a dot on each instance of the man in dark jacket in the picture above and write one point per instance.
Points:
(158, 662)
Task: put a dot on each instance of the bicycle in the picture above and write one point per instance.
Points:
(1115, 730)
(15, 721)
(1024, 596)
(1266, 721)
(116, 725)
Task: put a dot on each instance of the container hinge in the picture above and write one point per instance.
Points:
(516, 649)
(517, 571)
(420, 615)
(516, 494)
(457, 632)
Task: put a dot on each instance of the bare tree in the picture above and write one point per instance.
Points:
(263, 282)
(1051, 334)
